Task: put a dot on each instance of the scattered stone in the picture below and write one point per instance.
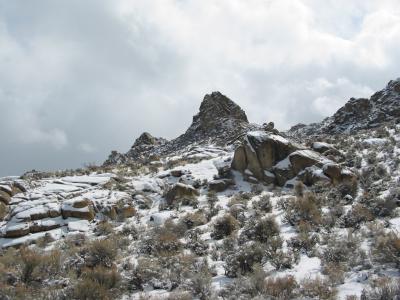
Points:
(220, 185)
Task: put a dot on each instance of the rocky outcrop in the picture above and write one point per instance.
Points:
(78, 208)
(219, 121)
(17, 230)
(143, 148)
(5, 197)
(179, 191)
(220, 185)
(358, 114)
(9, 190)
(273, 159)
(260, 152)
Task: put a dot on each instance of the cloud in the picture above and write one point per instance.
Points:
(104, 71)
(86, 147)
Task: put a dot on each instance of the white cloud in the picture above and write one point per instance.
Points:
(86, 147)
(120, 67)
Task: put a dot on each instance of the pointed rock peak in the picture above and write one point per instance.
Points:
(145, 139)
(216, 106)
(394, 85)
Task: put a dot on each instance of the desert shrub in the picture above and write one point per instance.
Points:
(212, 198)
(241, 198)
(243, 260)
(195, 243)
(264, 204)
(356, 215)
(339, 250)
(163, 240)
(335, 273)
(260, 229)
(74, 240)
(386, 248)
(299, 189)
(104, 228)
(305, 209)
(45, 240)
(90, 290)
(305, 241)
(101, 253)
(277, 257)
(200, 280)
(179, 295)
(281, 287)
(130, 230)
(194, 219)
(238, 212)
(383, 289)
(246, 287)
(347, 188)
(163, 272)
(224, 226)
(372, 157)
(108, 278)
(146, 270)
(317, 289)
(27, 267)
(228, 247)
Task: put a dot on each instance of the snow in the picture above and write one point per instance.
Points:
(308, 267)
(98, 179)
(320, 145)
(283, 164)
(58, 188)
(78, 225)
(375, 141)
(262, 136)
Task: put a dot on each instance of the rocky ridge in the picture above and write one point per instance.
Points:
(219, 122)
(212, 214)
(358, 114)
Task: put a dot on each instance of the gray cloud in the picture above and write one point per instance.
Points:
(78, 79)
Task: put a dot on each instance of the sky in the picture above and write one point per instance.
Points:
(81, 78)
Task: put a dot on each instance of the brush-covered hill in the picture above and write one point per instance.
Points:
(228, 210)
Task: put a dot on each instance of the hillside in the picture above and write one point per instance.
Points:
(227, 210)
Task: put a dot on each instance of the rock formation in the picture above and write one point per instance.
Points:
(219, 121)
(271, 158)
(358, 114)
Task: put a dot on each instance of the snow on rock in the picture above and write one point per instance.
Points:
(78, 225)
(88, 179)
(374, 141)
(58, 188)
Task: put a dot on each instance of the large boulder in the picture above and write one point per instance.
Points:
(269, 148)
(78, 208)
(311, 175)
(333, 171)
(44, 225)
(302, 159)
(5, 197)
(179, 191)
(17, 230)
(261, 151)
(283, 171)
(321, 147)
(220, 185)
(239, 161)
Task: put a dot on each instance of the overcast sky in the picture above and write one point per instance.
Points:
(79, 78)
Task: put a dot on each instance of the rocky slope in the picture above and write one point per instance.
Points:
(357, 114)
(218, 122)
(228, 210)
